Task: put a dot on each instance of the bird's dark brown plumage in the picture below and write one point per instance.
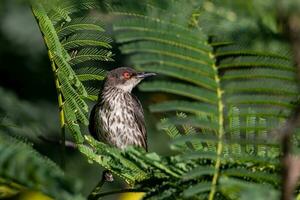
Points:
(118, 118)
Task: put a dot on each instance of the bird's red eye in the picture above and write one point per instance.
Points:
(126, 75)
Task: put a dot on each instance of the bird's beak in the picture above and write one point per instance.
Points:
(145, 74)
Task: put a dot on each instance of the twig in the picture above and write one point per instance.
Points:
(106, 177)
(290, 164)
(96, 190)
(68, 143)
(96, 197)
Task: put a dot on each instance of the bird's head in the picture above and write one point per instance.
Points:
(125, 78)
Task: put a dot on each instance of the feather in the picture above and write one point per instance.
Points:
(92, 122)
(139, 118)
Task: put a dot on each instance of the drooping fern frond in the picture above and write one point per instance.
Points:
(73, 65)
(232, 96)
(258, 74)
(72, 41)
(22, 168)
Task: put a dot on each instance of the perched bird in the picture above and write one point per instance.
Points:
(118, 118)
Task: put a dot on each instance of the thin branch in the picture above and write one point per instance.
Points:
(96, 190)
(106, 177)
(290, 164)
(96, 197)
(61, 112)
(68, 143)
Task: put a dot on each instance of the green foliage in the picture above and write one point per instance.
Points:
(72, 41)
(236, 189)
(22, 168)
(225, 100)
(25, 120)
(231, 96)
(60, 33)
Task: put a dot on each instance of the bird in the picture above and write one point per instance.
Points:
(117, 118)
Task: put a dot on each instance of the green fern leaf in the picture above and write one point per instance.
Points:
(21, 167)
(84, 39)
(209, 81)
(85, 24)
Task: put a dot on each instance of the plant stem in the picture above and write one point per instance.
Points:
(220, 136)
(96, 197)
(61, 112)
(96, 190)
(290, 20)
(98, 187)
(62, 128)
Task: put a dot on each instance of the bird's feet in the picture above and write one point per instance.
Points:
(108, 176)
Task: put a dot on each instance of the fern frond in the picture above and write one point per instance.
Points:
(198, 172)
(86, 39)
(92, 93)
(168, 50)
(265, 62)
(207, 79)
(194, 122)
(72, 75)
(181, 74)
(225, 89)
(261, 86)
(70, 34)
(235, 188)
(262, 134)
(152, 31)
(252, 174)
(202, 187)
(70, 94)
(91, 54)
(85, 24)
(236, 50)
(110, 157)
(196, 108)
(147, 59)
(234, 123)
(259, 73)
(21, 167)
(91, 76)
(266, 100)
(169, 128)
(184, 90)
(62, 10)
(231, 159)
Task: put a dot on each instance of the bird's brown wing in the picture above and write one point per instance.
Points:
(93, 117)
(139, 118)
(92, 122)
